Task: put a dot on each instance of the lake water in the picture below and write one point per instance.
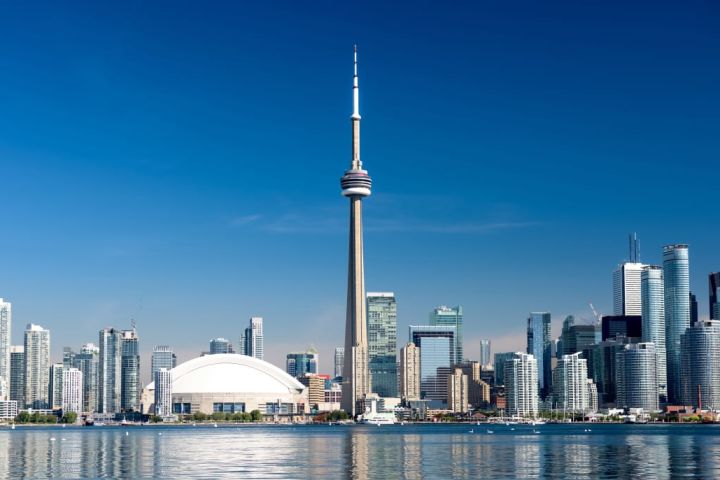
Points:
(322, 451)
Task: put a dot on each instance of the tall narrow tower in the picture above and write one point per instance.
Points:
(355, 185)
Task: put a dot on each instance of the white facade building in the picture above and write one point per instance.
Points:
(37, 366)
(410, 372)
(8, 409)
(521, 385)
(72, 393)
(626, 289)
(5, 330)
(570, 384)
(163, 392)
(636, 377)
(339, 361)
(251, 342)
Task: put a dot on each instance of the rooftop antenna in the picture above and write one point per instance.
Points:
(634, 247)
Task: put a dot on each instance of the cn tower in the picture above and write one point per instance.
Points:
(356, 186)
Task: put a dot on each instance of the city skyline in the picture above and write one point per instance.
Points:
(178, 227)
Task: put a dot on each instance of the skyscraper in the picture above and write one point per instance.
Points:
(676, 276)
(521, 385)
(163, 392)
(382, 343)
(339, 361)
(714, 286)
(653, 320)
(162, 357)
(356, 186)
(37, 366)
(71, 395)
(251, 342)
(453, 317)
(130, 369)
(87, 362)
(410, 372)
(437, 355)
(478, 390)
(626, 289)
(538, 345)
(219, 345)
(693, 309)
(576, 337)
(17, 374)
(109, 370)
(55, 387)
(700, 366)
(485, 353)
(500, 359)
(297, 364)
(5, 330)
(457, 386)
(570, 383)
(636, 377)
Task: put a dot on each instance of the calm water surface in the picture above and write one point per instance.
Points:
(408, 452)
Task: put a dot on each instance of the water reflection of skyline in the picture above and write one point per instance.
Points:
(358, 452)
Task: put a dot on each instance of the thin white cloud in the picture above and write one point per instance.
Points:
(244, 220)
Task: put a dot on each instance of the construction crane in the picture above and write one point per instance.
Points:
(597, 315)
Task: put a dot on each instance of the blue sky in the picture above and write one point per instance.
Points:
(178, 162)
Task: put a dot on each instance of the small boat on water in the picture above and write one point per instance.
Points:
(373, 417)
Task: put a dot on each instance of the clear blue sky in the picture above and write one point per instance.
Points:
(179, 162)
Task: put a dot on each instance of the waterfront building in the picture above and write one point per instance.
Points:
(676, 277)
(5, 337)
(17, 374)
(233, 383)
(339, 361)
(539, 346)
(636, 377)
(601, 366)
(521, 385)
(451, 317)
(478, 390)
(251, 341)
(592, 394)
(55, 387)
(316, 389)
(71, 396)
(220, 345)
(130, 385)
(163, 392)
(162, 357)
(500, 359)
(653, 320)
(382, 343)
(8, 409)
(37, 366)
(299, 364)
(457, 387)
(87, 363)
(622, 326)
(356, 185)
(109, 370)
(714, 287)
(485, 353)
(700, 366)
(437, 354)
(410, 372)
(570, 383)
(626, 289)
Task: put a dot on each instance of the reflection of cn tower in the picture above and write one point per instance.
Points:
(355, 185)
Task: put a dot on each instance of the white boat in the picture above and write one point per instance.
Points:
(538, 422)
(373, 417)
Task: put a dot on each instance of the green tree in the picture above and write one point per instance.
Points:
(217, 416)
(23, 417)
(255, 416)
(50, 419)
(69, 417)
(155, 419)
(199, 416)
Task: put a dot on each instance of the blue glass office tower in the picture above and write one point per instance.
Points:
(539, 345)
(676, 275)
(437, 355)
(382, 343)
(443, 315)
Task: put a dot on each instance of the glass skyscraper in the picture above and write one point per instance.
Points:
(130, 385)
(37, 366)
(539, 346)
(339, 361)
(162, 357)
(676, 272)
(251, 341)
(382, 343)
(636, 377)
(626, 289)
(437, 355)
(220, 345)
(485, 353)
(297, 364)
(714, 287)
(17, 374)
(452, 317)
(109, 370)
(653, 320)
(500, 359)
(87, 362)
(700, 366)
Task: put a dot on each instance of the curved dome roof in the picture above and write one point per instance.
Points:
(230, 373)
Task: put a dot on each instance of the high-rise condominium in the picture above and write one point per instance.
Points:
(452, 317)
(55, 387)
(162, 357)
(17, 374)
(220, 345)
(653, 320)
(109, 371)
(87, 362)
(71, 395)
(298, 364)
(521, 385)
(570, 387)
(636, 377)
(714, 286)
(339, 361)
(437, 355)
(700, 366)
(163, 392)
(457, 387)
(539, 346)
(251, 341)
(37, 366)
(485, 353)
(410, 372)
(5, 330)
(382, 343)
(676, 276)
(355, 185)
(130, 368)
(500, 359)
(626, 289)
(478, 390)
(577, 337)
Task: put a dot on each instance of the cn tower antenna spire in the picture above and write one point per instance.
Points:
(356, 90)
